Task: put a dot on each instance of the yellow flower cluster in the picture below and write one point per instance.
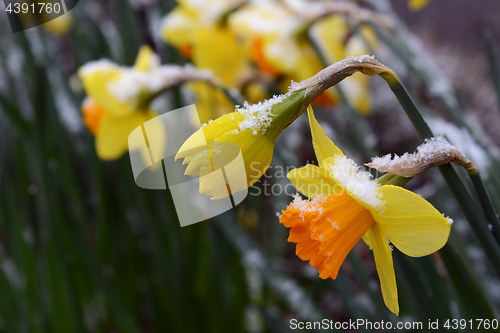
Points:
(254, 45)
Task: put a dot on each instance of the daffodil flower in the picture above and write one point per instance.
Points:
(346, 205)
(111, 113)
(253, 129)
(118, 98)
(416, 5)
(197, 30)
(281, 44)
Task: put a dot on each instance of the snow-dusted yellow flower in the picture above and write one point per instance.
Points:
(278, 37)
(416, 5)
(281, 44)
(253, 129)
(346, 205)
(197, 30)
(115, 106)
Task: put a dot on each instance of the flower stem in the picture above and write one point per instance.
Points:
(486, 204)
(392, 179)
(472, 213)
(493, 57)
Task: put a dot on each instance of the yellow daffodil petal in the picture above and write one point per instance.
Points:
(411, 223)
(292, 56)
(146, 60)
(211, 102)
(416, 5)
(385, 268)
(96, 86)
(219, 49)
(366, 239)
(323, 146)
(329, 34)
(112, 134)
(178, 27)
(194, 143)
(357, 92)
(312, 180)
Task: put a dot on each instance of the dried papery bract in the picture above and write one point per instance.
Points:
(432, 153)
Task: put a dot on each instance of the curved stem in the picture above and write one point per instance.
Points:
(476, 220)
(486, 204)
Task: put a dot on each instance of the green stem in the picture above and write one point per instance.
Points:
(392, 179)
(494, 66)
(233, 96)
(486, 204)
(472, 213)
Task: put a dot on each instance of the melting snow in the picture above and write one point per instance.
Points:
(464, 142)
(450, 220)
(357, 181)
(361, 58)
(132, 82)
(315, 205)
(425, 152)
(97, 66)
(258, 117)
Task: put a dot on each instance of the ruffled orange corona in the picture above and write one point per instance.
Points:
(326, 229)
(92, 114)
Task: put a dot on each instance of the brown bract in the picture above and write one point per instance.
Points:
(335, 73)
(412, 165)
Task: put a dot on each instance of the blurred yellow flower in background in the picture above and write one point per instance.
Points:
(114, 108)
(278, 37)
(417, 4)
(345, 205)
(198, 30)
(61, 25)
(333, 37)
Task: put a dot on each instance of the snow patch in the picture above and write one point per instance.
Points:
(258, 117)
(357, 181)
(361, 58)
(424, 153)
(449, 219)
(97, 66)
(132, 82)
(314, 205)
(464, 143)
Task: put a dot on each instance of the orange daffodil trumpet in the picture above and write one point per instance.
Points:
(345, 205)
(118, 98)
